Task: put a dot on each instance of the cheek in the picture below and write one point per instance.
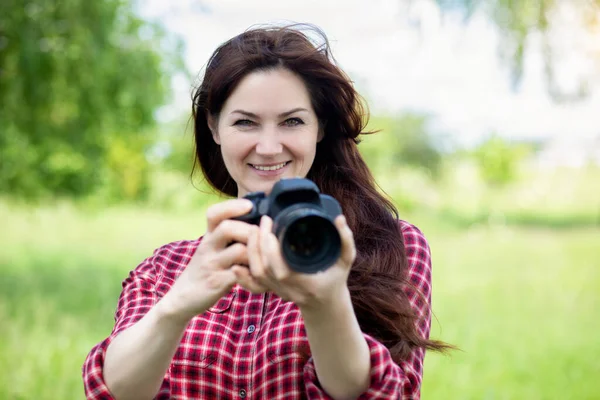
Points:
(305, 142)
(236, 147)
(308, 147)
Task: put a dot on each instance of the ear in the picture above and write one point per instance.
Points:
(212, 125)
(321, 133)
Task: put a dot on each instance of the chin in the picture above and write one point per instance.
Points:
(260, 187)
(268, 186)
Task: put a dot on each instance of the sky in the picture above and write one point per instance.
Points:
(402, 58)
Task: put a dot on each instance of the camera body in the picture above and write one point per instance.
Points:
(302, 222)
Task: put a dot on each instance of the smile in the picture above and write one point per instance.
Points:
(270, 167)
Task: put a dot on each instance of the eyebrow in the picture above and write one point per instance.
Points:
(282, 115)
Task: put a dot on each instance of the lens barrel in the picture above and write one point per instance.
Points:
(309, 240)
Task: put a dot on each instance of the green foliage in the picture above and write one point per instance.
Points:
(498, 160)
(79, 81)
(403, 140)
(128, 171)
(178, 143)
(517, 20)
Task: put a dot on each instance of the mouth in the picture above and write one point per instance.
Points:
(273, 167)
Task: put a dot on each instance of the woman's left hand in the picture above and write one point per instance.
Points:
(268, 270)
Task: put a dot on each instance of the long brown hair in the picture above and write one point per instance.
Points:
(380, 269)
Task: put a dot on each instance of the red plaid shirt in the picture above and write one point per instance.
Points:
(245, 345)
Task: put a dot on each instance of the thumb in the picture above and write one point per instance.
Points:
(222, 280)
(229, 278)
(245, 280)
(348, 253)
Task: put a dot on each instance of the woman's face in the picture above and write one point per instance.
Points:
(267, 130)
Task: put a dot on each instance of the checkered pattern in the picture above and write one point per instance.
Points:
(245, 345)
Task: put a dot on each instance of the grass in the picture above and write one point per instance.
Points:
(61, 272)
(558, 198)
(521, 303)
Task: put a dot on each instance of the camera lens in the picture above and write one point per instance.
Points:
(306, 237)
(309, 240)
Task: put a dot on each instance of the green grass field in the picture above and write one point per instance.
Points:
(522, 304)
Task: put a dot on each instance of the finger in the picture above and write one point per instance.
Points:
(279, 267)
(235, 254)
(226, 210)
(266, 224)
(348, 251)
(255, 258)
(271, 250)
(221, 279)
(245, 280)
(229, 231)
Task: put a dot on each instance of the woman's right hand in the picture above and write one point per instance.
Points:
(209, 274)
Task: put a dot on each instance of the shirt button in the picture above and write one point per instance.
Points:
(243, 393)
(251, 328)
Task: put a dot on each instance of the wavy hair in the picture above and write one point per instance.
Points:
(383, 311)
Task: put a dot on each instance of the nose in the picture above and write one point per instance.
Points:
(269, 143)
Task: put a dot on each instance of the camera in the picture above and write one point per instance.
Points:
(302, 222)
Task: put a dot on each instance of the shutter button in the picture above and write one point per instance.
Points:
(242, 393)
(251, 328)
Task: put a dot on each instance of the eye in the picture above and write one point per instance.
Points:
(293, 121)
(243, 122)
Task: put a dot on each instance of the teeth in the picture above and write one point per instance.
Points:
(270, 168)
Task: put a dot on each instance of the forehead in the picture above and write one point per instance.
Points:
(276, 90)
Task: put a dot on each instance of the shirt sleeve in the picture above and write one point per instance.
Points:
(136, 299)
(388, 379)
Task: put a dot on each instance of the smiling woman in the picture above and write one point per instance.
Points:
(267, 130)
(209, 319)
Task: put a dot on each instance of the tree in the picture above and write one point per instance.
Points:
(519, 20)
(498, 160)
(77, 78)
(405, 139)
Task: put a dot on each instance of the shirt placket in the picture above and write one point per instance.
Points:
(250, 337)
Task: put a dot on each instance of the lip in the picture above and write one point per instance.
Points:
(273, 173)
(271, 164)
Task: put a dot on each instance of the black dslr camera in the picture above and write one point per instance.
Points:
(302, 222)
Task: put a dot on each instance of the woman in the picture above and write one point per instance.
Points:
(207, 319)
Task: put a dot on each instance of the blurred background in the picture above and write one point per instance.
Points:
(489, 119)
